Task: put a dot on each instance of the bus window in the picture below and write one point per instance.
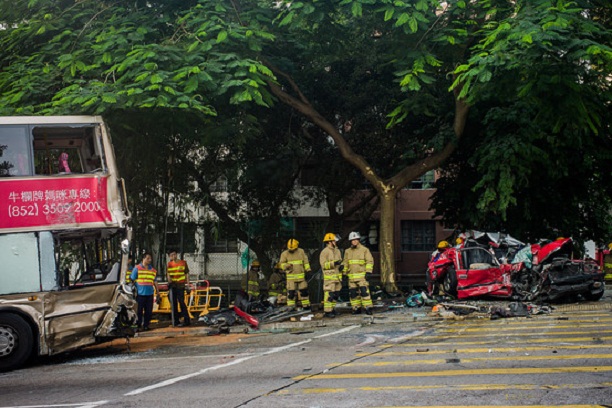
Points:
(20, 270)
(87, 257)
(66, 150)
(14, 151)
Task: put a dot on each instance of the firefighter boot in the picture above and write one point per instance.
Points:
(368, 311)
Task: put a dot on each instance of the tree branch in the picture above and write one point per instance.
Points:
(303, 106)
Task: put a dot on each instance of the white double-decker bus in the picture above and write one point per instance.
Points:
(63, 237)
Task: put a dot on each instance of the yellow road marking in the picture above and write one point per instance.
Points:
(545, 340)
(458, 387)
(489, 349)
(532, 321)
(445, 373)
(474, 360)
(541, 333)
(497, 406)
(489, 328)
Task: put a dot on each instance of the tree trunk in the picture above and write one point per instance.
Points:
(386, 241)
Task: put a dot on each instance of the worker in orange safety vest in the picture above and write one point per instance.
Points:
(178, 283)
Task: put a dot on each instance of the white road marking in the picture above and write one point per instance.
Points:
(231, 363)
(78, 405)
(336, 332)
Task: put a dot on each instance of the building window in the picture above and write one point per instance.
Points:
(220, 241)
(182, 238)
(426, 181)
(219, 186)
(418, 236)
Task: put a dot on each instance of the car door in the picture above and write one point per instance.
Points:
(480, 274)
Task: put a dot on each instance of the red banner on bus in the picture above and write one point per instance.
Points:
(53, 202)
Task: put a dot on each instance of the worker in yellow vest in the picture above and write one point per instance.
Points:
(295, 264)
(607, 263)
(358, 262)
(178, 280)
(143, 276)
(128, 270)
(330, 260)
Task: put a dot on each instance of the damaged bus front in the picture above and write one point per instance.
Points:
(63, 238)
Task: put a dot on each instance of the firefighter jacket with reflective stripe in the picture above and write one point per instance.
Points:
(357, 262)
(250, 283)
(294, 264)
(128, 272)
(276, 284)
(607, 266)
(177, 271)
(327, 260)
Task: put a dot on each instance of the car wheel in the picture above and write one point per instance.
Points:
(16, 341)
(450, 282)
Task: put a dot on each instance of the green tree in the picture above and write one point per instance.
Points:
(540, 161)
(383, 66)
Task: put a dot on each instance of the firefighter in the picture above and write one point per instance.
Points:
(144, 276)
(178, 280)
(295, 264)
(607, 263)
(276, 285)
(358, 262)
(250, 282)
(331, 260)
(442, 247)
(459, 242)
(128, 271)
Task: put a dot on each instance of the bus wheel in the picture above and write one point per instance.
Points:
(16, 341)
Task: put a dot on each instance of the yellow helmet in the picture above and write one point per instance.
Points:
(292, 244)
(610, 246)
(459, 241)
(329, 237)
(443, 244)
(255, 263)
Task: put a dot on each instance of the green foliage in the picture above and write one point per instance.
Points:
(96, 57)
(545, 45)
(192, 77)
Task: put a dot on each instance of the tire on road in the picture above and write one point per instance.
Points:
(16, 341)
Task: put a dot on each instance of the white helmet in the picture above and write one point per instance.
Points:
(354, 235)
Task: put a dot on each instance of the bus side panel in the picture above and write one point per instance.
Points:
(72, 316)
(19, 272)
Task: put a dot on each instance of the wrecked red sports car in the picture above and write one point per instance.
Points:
(506, 268)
